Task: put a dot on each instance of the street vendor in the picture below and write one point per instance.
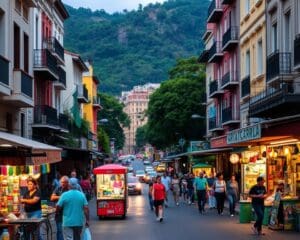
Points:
(32, 199)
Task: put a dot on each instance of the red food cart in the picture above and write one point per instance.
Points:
(111, 189)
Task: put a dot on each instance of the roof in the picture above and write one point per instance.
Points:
(110, 169)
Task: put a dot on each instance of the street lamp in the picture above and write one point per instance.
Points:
(102, 121)
(197, 116)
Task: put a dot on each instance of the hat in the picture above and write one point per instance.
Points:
(73, 182)
(259, 179)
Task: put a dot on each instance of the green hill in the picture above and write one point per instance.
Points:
(136, 47)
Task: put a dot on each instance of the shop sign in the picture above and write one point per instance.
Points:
(244, 134)
(198, 146)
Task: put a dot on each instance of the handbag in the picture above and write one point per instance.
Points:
(86, 234)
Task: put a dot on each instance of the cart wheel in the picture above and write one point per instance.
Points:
(123, 216)
(100, 217)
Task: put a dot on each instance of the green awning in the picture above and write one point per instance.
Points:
(202, 165)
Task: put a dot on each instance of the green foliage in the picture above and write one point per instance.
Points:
(116, 118)
(136, 47)
(141, 137)
(172, 105)
(75, 133)
(103, 139)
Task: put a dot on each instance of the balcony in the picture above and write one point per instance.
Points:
(228, 117)
(228, 2)
(215, 11)
(61, 82)
(63, 120)
(230, 80)
(214, 90)
(279, 100)
(297, 52)
(82, 94)
(203, 58)
(213, 125)
(215, 53)
(22, 90)
(45, 65)
(278, 66)
(209, 30)
(56, 49)
(96, 102)
(45, 117)
(4, 77)
(245, 91)
(230, 39)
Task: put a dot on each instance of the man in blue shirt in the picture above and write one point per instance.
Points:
(201, 187)
(75, 211)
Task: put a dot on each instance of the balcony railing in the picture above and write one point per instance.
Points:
(245, 86)
(228, 116)
(214, 12)
(63, 121)
(229, 80)
(45, 115)
(282, 99)
(203, 56)
(82, 93)
(4, 70)
(26, 84)
(230, 38)
(55, 47)
(61, 82)
(96, 100)
(228, 2)
(45, 61)
(297, 51)
(215, 52)
(278, 64)
(213, 87)
(213, 125)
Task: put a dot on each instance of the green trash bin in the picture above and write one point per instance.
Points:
(245, 212)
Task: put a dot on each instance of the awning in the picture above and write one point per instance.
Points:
(39, 153)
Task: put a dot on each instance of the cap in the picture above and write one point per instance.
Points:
(260, 179)
(73, 182)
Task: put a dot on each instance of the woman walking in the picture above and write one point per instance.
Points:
(220, 191)
(159, 195)
(232, 194)
(175, 188)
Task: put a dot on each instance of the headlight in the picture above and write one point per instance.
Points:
(138, 186)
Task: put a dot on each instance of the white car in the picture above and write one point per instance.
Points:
(140, 174)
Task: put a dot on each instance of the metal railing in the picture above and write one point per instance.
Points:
(54, 45)
(297, 50)
(229, 77)
(62, 76)
(26, 84)
(44, 59)
(63, 120)
(212, 123)
(213, 87)
(278, 63)
(213, 5)
(215, 48)
(4, 70)
(44, 114)
(96, 100)
(232, 34)
(245, 86)
(227, 115)
(83, 92)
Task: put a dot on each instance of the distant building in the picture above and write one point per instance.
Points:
(136, 104)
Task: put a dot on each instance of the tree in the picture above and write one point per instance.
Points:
(140, 137)
(172, 105)
(116, 119)
(103, 138)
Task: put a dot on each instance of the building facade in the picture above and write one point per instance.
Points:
(136, 103)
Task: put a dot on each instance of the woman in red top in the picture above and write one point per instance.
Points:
(158, 195)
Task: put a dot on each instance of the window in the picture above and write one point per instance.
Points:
(247, 7)
(274, 37)
(259, 61)
(36, 32)
(247, 64)
(26, 53)
(25, 12)
(2, 33)
(16, 46)
(18, 5)
(287, 31)
(22, 127)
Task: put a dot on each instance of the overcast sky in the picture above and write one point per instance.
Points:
(109, 5)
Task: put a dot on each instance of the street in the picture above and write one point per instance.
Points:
(182, 222)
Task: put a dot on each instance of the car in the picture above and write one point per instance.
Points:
(129, 169)
(147, 163)
(149, 169)
(149, 176)
(140, 174)
(134, 186)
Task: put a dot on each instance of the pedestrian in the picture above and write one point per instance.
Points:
(56, 181)
(232, 194)
(150, 190)
(211, 193)
(220, 192)
(166, 181)
(175, 188)
(74, 175)
(276, 213)
(159, 194)
(190, 187)
(75, 211)
(64, 186)
(184, 189)
(86, 186)
(200, 186)
(258, 193)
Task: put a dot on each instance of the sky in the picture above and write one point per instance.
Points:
(110, 6)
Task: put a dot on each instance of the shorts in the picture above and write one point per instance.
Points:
(158, 203)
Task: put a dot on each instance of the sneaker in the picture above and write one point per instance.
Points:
(231, 215)
(190, 202)
(161, 219)
(157, 219)
(254, 229)
(177, 204)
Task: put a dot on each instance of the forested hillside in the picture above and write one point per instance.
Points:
(136, 47)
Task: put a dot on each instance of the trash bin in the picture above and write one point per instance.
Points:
(245, 212)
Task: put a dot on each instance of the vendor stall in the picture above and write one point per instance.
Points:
(202, 167)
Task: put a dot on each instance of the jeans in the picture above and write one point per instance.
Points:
(232, 201)
(201, 195)
(220, 198)
(36, 214)
(191, 194)
(59, 231)
(150, 202)
(259, 211)
(72, 233)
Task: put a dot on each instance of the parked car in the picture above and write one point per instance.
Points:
(149, 176)
(140, 174)
(149, 169)
(134, 186)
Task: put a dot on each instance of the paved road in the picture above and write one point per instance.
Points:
(182, 222)
(138, 165)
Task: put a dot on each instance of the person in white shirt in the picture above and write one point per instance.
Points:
(166, 181)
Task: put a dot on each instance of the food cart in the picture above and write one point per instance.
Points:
(202, 167)
(111, 190)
